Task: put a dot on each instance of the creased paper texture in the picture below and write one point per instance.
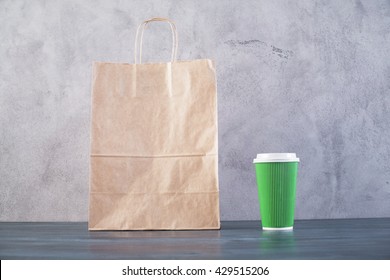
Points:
(154, 153)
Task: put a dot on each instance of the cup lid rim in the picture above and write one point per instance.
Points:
(276, 157)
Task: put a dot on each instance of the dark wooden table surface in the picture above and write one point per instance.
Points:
(310, 239)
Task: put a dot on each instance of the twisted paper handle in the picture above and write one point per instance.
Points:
(140, 34)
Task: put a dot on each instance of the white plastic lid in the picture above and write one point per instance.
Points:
(276, 157)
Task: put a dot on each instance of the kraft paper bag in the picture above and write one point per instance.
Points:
(154, 154)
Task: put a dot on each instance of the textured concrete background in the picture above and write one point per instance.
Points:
(311, 77)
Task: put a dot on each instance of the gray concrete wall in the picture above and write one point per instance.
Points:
(311, 77)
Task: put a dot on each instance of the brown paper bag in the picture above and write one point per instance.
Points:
(154, 155)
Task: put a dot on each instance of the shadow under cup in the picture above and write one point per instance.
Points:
(276, 176)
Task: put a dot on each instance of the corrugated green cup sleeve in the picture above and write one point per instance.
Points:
(276, 183)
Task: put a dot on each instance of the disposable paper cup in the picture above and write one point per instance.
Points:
(276, 176)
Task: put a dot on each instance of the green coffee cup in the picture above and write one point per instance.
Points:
(276, 176)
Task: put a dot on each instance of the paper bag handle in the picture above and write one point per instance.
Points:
(140, 34)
